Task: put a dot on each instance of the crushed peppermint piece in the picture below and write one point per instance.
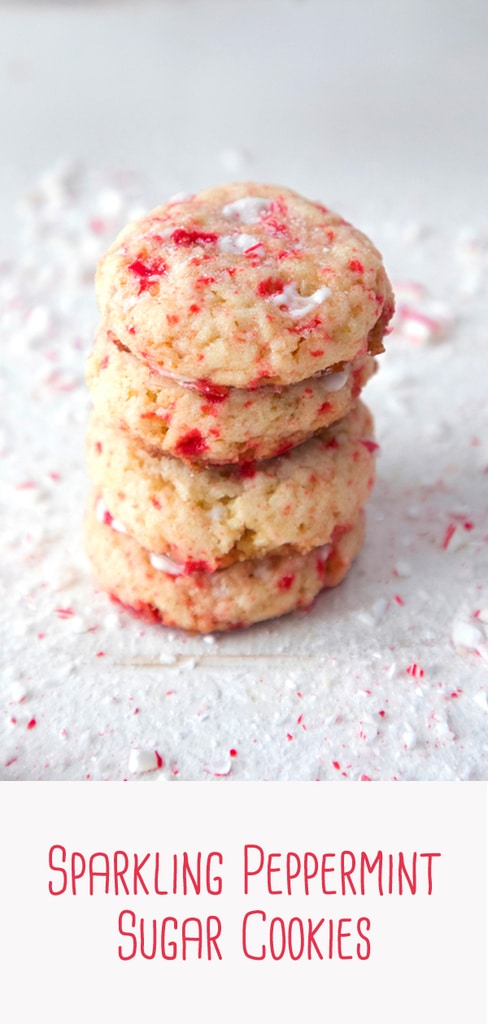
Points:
(142, 761)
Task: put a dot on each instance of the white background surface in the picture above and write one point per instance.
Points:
(380, 110)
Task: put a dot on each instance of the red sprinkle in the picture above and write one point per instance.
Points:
(193, 565)
(191, 443)
(356, 266)
(399, 600)
(336, 765)
(31, 724)
(233, 753)
(270, 286)
(147, 272)
(64, 613)
(450, 531)
(213, 392)
(370, 446)
(415, 670)
(286, 582)
(159, 760)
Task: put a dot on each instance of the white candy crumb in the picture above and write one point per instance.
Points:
(246, 210)
(164, 564)
(236, 244)
(141, 761)
(481, 700)
(18, 691)
(466, 635)
(409, 737)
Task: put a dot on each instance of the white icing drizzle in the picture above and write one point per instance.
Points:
(234, 244)
(246, 210)
(164, 564)
(299, 305)
(334, 381)
(324, 551)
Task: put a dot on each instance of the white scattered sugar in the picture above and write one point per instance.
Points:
(209, 639)
(481, 700)
(141, 761)
(298, 305)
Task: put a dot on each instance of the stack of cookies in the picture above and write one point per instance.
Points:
(229, 453)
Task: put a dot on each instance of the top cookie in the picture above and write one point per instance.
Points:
(244, 285)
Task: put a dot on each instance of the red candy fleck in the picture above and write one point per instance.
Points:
(399, 600)
(64, 613)
(450, 531)
(193, 565)
(247, 470)
(191, 443)
(317, 352)
(325, 407)
(183, 237)
(213, 392)
(31, 724)
(370, 446)
(193, 308)
(146, 272)
(159, 760)
(356, 266)
(415, 670)
(310, 325)
(336, 765)
(270, 286)
(286, 582)
(232, 752)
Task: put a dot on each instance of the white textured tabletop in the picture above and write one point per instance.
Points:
(381, 112)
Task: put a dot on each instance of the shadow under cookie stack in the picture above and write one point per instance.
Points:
(229, 453)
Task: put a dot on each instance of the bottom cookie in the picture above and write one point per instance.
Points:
(239, 595)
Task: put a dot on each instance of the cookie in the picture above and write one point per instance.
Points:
(244, 285)
(244, 593)
(211, 517)
(216, 425)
